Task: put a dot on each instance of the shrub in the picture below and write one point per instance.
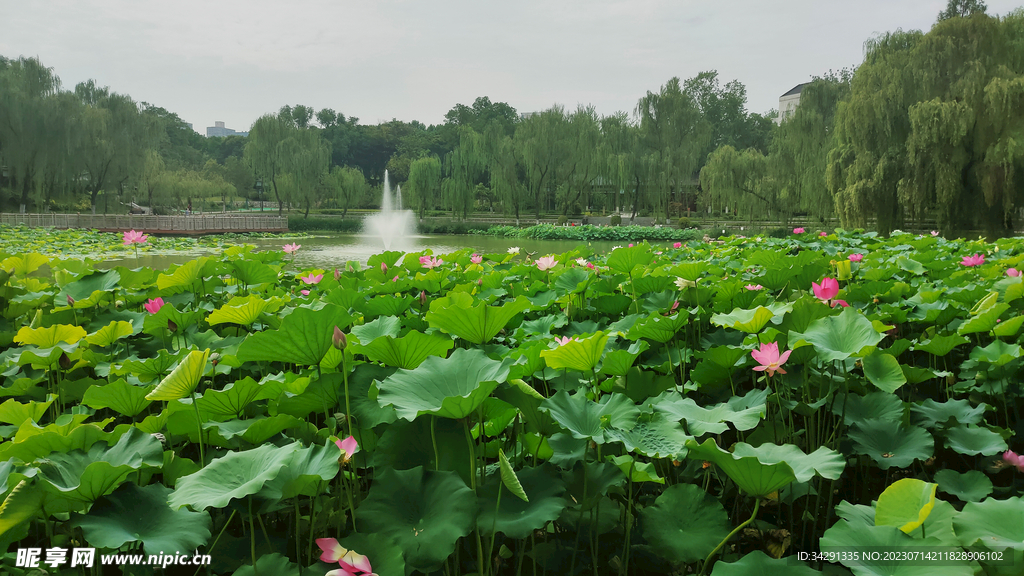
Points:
(562, 219)
(588, 232)
(296, 223)
(616, 220)
(684, 222)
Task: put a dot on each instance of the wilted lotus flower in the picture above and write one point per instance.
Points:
(976, 260)
(215, 359)
(339, 341)
(291, 248)
(767, 355)
(546, 263)
(154, 305)
(476, 258)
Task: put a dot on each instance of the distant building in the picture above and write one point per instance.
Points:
(525, 115)
(788, 102)
(218, 129)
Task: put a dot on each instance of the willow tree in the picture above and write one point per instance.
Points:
(582, 155)
(306, 156)
(425, 181)
(538, 142)
(263, 151)
(740, 179)
(673, 136)
(799, 150)
(507, 168)
(27, 89)
(868, 166)
(464, 166)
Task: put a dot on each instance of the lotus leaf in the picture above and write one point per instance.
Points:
(581, 355)
(183, 380)
(517, 518)
(242, 311)
(905, 504)
(758, 563)
(685, 523)
(232, 476)
(50, 336)
(85, 476)
(974, 440)
(845, 536)
(971, 486)
(891, 444)
(409, 351)
(456, 314)
(753, 476)
(110, 333)
(585, 418)
(119, 396)
(838, 337)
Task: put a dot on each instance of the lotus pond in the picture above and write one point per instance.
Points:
(749, 406)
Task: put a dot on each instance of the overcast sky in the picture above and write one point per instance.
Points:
(212, 60)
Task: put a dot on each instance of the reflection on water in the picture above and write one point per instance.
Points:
(333, 251)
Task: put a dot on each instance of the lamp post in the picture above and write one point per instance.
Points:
(259, 192)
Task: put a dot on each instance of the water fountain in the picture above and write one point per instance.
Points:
(393, 225)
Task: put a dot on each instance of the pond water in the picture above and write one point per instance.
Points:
(333, 251)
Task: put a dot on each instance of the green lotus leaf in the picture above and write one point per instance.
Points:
(984, 321)
(232, 476)
(40, 443)
(839, 337)
(845, 536)
(517, 518)
(658, 437)
(878, 404)
(932, 414)
(384, 306)
(277, 565)
(884, 371)
(618, 362)
(24, 264)
(184, 277)
(626, 259)
(974, 440)
(905, 504)
(997, 353)
(140, 514)
(891, 444)
(941, 345)
(150, 369)
(749, 321)
(585, 418)
(451, 388)
(308, 473)
(425, 512)
(636, 471)
(230, 401)
(86, 476)
(23, 503)
(713, 420)
(685, 523)
(183, 379)
(50, 336)
(242, 310)
(994, 524)
(457, 315)
(822, 462)
(119, 396)
(16, 413)
(251, 273)
(110, 333)
(409, 351)
(321, 395)
(658, 328)
(256, 430)
(382, 326)
(304, 338)
(758, 563)
(157, 324)
(748, 472)
(572, 280)
(89, 290)
(581, 355)
(1010, 327)
(970, 486)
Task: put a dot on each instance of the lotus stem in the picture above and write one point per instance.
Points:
(433, 441)
(757, 504)
(252, 539)
(199, 425)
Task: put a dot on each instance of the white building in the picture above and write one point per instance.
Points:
(218, 129)
(788, 102)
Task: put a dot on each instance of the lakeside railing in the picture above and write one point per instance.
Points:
(188, 225)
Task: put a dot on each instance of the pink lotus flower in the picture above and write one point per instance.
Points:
(1014, 459)
(133, 237)
(383, 268)
(935, 232)
(337, 275)
(822, 234)
(546, 263)
(352, 563)
(754, 287)
(565, 340)
(840, 303)
(630, 244)
(349, 447)
(304, 292)
(591, 266)
(1013, 272)
(677, 245)
(476, 258)
(311, 279)
(827, 290)
(291, 248)
(154, 305)
(798, 230)
(395, 279)
(856, 257)
(429, 262)
(340, 342)
(976, 260)
(768, 357)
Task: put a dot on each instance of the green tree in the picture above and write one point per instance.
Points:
(425, 181)
(962, 9)
(306, 157)
(263, 151)
(740, 179)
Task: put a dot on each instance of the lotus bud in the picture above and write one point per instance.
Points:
(479, 281)
(215, 358)
(172, 326)
(65, 362)
(337, 275)
(339, 339)
(383, 268)
(71, 301)
(423, 297)
(119, 303)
